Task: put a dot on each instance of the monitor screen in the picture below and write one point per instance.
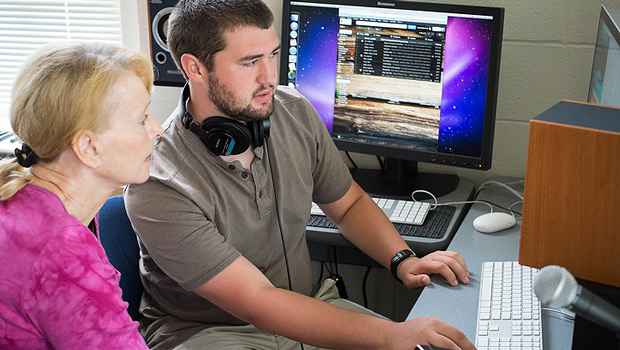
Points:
(605, 78)
(405, 80)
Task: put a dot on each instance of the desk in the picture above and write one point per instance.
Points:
(458, 306)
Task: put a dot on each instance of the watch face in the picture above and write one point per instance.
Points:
(399, 256)
(402, 255)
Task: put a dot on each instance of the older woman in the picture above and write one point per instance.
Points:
(80, 109)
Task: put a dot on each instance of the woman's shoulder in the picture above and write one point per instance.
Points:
(35, 216)
(38, 206)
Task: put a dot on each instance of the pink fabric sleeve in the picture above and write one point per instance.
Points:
(73, 298)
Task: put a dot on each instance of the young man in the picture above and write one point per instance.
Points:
(225, 262)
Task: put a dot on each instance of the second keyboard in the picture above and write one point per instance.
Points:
(398, 211)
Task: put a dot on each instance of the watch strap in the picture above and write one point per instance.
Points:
(397, 259)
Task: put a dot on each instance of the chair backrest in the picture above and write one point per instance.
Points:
(121, 246)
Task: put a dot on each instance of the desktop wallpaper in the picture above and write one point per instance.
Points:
(466, 61)
(316, 60)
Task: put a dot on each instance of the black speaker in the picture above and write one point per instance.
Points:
(166, 72)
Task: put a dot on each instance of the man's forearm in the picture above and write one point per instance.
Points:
(366, 226)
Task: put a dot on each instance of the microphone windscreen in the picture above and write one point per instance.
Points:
(555, 287)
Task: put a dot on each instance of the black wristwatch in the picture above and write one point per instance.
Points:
(397, 259)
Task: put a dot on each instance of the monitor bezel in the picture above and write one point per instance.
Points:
(483, 162)
(606, 18)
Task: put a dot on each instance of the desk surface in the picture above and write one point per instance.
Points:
(459, 305)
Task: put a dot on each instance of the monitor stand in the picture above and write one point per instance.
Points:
(400, 178)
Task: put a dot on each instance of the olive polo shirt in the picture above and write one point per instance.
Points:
(197, 213)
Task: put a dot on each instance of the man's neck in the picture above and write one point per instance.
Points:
(199, 106)
(244, 158)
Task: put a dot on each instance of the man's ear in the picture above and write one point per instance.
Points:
(84, 147)
(192, 67)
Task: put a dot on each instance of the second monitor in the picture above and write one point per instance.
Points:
(405, 80)
(605, 77)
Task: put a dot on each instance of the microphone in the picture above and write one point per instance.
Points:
(555, 287)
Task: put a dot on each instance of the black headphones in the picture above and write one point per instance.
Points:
(224, 136)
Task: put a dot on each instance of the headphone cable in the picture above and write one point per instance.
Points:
(275, 197)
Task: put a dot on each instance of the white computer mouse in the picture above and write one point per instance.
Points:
(494, 222)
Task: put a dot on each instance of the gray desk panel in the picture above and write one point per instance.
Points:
(459, 305)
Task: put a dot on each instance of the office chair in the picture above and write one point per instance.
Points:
(121, 246)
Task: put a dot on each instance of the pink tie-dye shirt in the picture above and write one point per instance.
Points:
(57, 287)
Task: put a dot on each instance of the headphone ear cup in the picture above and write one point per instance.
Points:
(266, 126)
(224, 136)
(260, 131)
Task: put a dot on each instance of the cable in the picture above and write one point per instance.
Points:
(320, 274)
(335, 256)
(491, 182)
(364, 286)
(350, 159)
(502, 207)
(565, 315)
(328, 254)
(512, 205)
(342, 289)
(480, 188)
(435, 205)
(329, 271)
(275, 197)
(513, 212)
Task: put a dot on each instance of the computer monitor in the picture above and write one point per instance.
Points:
(605, 78)
(413, 82)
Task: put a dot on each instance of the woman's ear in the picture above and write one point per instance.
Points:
(192, 67)
(84, 147)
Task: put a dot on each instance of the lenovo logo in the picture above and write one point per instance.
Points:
(388, 4)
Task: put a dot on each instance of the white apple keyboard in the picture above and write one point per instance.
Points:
(509, 314)
(397, 210)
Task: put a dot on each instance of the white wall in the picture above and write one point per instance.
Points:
(546, 57)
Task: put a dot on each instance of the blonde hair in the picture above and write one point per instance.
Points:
(62, 89)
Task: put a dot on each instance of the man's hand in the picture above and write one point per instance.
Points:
(415, 272)
(428, 331)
